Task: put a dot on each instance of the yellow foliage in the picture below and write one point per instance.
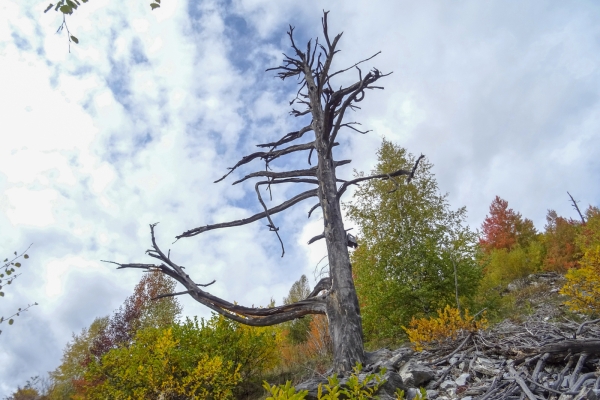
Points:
(154, 367)
(447, 325)
(583, 284)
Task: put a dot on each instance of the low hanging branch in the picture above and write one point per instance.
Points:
(246, 315)
(334, 295)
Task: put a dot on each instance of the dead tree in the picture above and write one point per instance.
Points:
(327, 107)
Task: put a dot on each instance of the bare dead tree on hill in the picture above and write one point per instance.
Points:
(327, 107)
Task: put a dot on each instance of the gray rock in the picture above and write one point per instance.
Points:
(432, 394)
(463, 379)
(400, 356)
(415, 375)
(381, 355)
(447, 384)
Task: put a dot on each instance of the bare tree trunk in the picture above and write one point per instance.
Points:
(343, 313)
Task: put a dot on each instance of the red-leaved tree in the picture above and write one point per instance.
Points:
(562, 252)
(504, 228)
(139, 311)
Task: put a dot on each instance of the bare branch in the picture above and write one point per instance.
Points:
(352, 92)
(322, 236)
(323, 284)
(349, 125)
(412, 173)
(271, 225)
(399, 172)
(283, 206)
(162, 296)
(246, 315)
(318, 237)
(268, 156)
(313, 208)
(358, 63)
(576, 207)
(287, 174)
(287, 138)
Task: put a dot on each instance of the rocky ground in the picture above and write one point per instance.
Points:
(548, 355)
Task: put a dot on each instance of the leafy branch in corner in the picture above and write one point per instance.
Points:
(67, 7)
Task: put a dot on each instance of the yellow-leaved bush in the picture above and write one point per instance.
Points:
(156, 366)
(204, 359)
(447, 325)
(583, 284)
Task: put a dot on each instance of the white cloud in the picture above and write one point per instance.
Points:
(134, 125)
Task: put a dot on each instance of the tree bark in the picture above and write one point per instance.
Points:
(343, 312)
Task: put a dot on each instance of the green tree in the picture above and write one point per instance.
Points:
(410, 242)
(299, 329)
(34, 389)
(76, 357)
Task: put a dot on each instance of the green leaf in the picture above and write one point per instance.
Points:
(85, 1)
(18, 265)
(5, 260)
(154, 5)
(11, 321)
(26, 256)
(72, 4)
(66, 10)
(1, 294)
(73, 38)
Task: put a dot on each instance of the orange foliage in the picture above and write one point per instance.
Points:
(562, 253)
(504, 228)
(318, 344)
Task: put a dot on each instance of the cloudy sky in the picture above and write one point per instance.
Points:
(136, 122)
